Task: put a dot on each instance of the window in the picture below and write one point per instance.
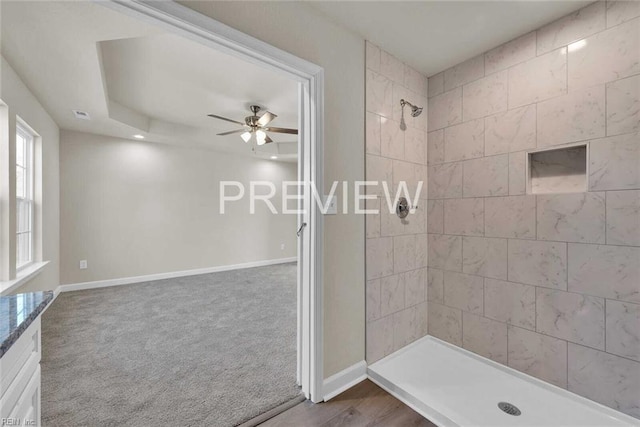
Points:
(24, 197)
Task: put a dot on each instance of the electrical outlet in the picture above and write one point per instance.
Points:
(83, 264)
(282, 246)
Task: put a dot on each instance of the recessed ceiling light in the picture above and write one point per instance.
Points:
(274, 157)
(138, 136)
(82, 115)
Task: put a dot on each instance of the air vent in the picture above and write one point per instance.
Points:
(82, 115)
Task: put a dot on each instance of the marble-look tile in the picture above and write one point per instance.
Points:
(372, 56)
(379, 339)
(576, 217)
(373, 134)
(445, 109)
(392, 290)
(391, 67)
(573, 317)
(435, 216)
(400, 92)
(445, 181)
(514, 130)
(391, 139)
(465, 72)
(538, 263)
(578, 116)
(415, 149)
(378, 169)
(404, 253)
(619, 11)
(607, 56)
(517, 173)
(390, 224)
(538, 355)
(485, 96)
(623, 217)
(463, 291)
(538, 79)
(435, 85)
(613, 163)
(410, 174)
(513, 216)
(379, 93)
(372, 220)
(559, 171)
(623, 106)
(445, 252)
(373, 300)
(414, 81)
(485, 257)
(422, 253)
(379, 257)
(409, 325)
(464, 141)
(509, 302)
(580, 24)
(445, 323)
(415, 222)
(414, 286)
(511, 53)
(605, 271)
(435, 144)
(485, 337)
(605, 378)
(623, 329)
(464, 216)
(487, 176)
(435, 285)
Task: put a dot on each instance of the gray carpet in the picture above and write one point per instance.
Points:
(209, 350)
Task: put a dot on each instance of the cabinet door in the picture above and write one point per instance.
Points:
(27, 410)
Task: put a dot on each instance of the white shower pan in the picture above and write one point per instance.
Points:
(454, 387)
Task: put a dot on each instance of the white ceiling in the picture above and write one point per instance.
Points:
(432, 36)
(133, 78)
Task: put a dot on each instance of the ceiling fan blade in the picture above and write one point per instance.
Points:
(231, 132)
(266, 118)
(283, 130)
(224, 118)
(267, 140)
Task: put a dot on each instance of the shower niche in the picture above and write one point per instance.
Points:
(558, 170)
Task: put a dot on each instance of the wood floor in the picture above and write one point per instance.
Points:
(363, 405)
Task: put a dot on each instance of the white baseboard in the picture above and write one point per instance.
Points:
(344, 380)
(170, 275)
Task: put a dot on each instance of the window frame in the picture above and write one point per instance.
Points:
(23, 131)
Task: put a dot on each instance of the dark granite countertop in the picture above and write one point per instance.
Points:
(17, 312)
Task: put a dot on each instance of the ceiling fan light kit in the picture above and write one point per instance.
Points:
(254, 127)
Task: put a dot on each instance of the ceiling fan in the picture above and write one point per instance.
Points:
(254, 126)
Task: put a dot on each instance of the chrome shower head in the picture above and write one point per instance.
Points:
(415, 110)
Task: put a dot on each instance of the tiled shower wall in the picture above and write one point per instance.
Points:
(547, 284)
(396, 249)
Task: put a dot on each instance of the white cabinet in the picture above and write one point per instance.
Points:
(20, 380)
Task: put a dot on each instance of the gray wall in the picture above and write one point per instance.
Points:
(396, 249)
(132, 208)
(547, 284)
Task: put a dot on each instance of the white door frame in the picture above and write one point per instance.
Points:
(206, 30)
